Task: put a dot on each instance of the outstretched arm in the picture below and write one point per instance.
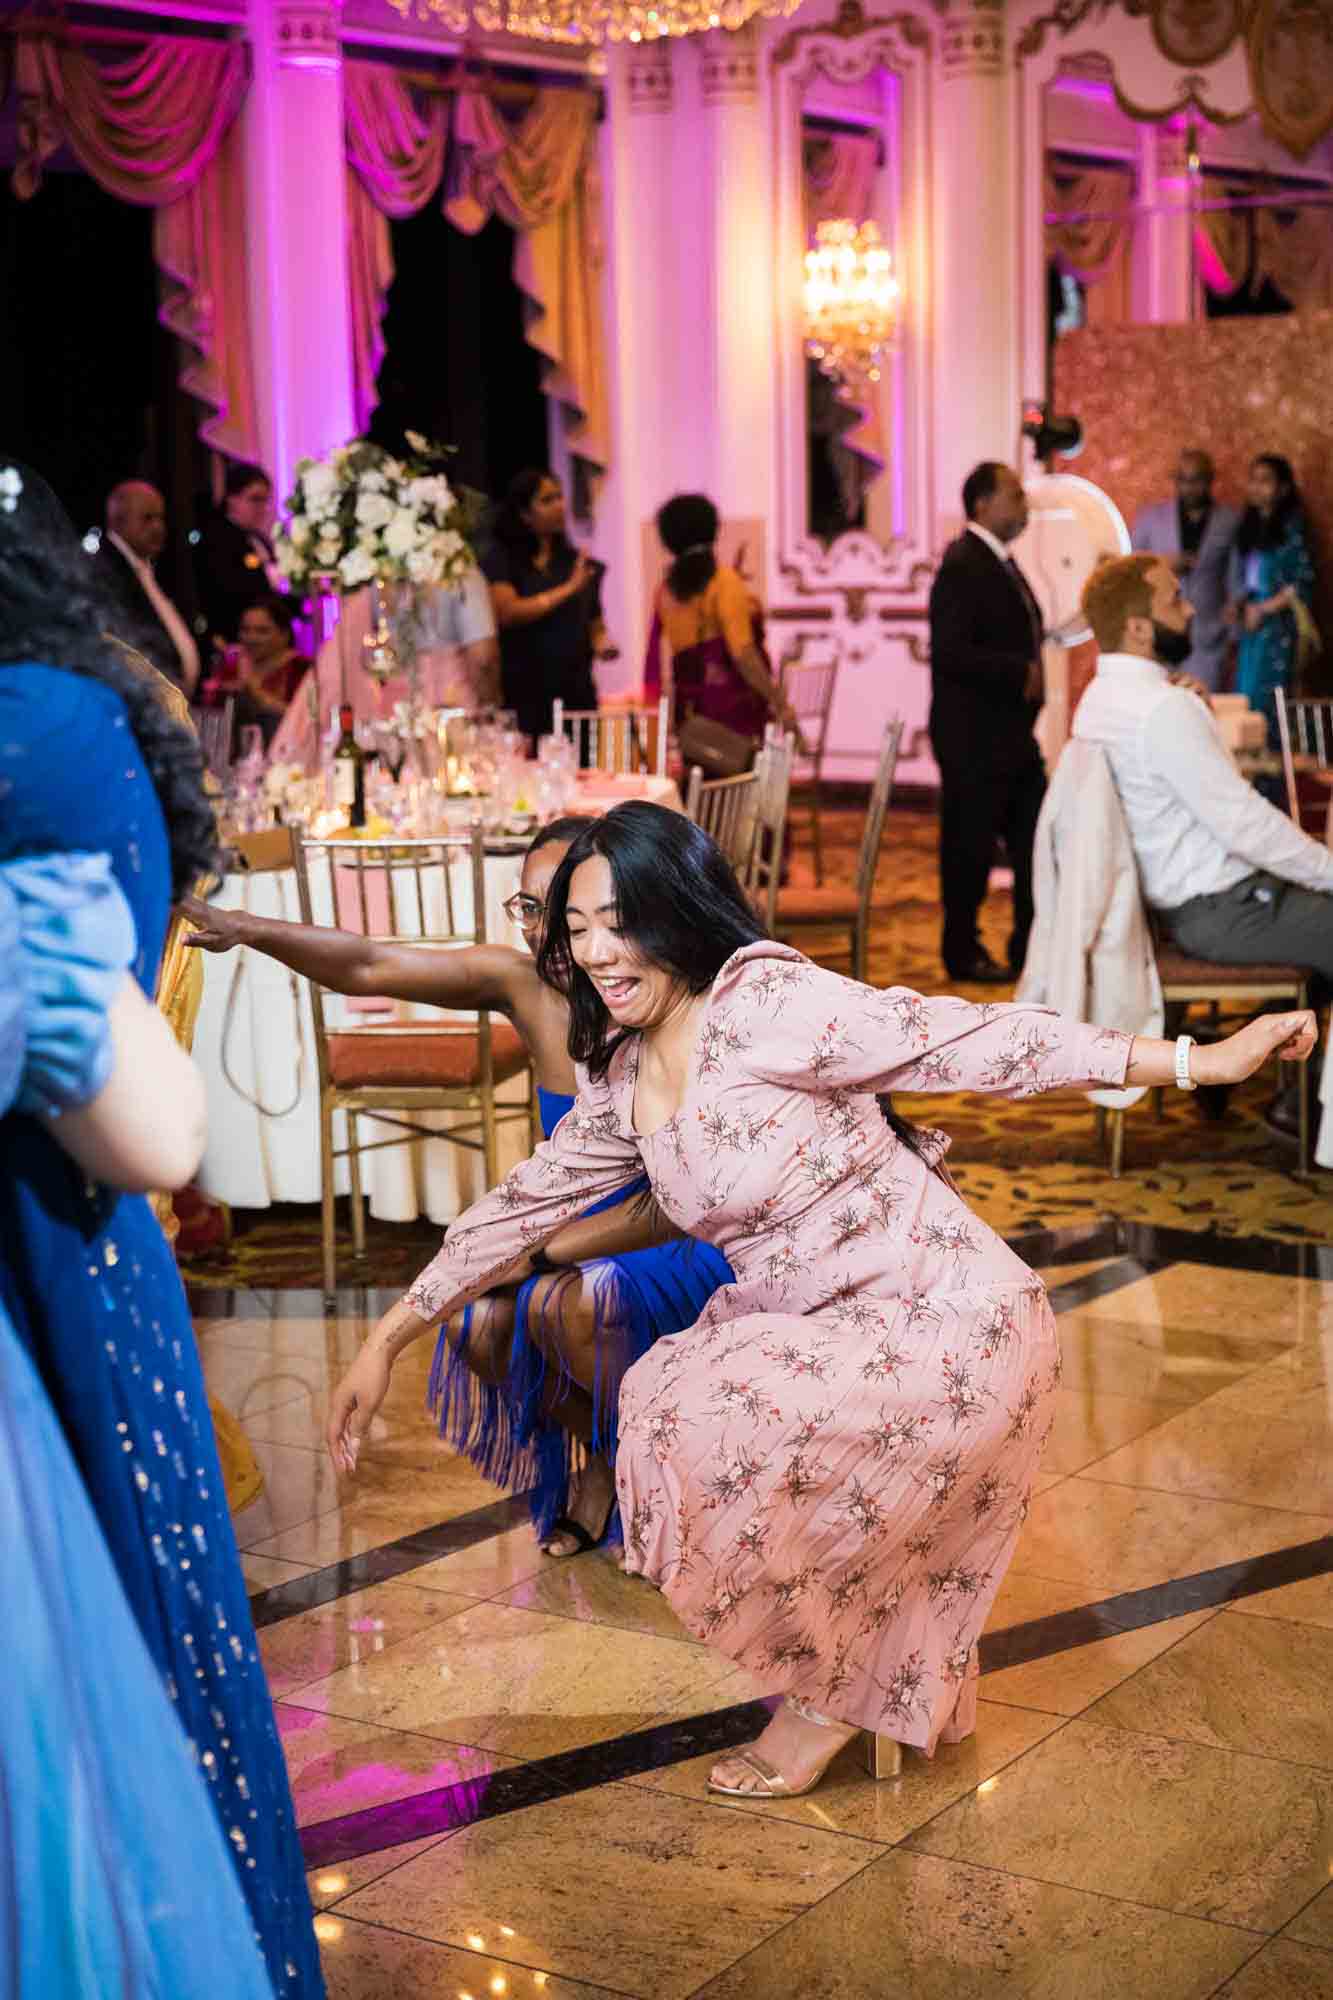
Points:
(587, 1158)
(481, 975)
(812, 1030)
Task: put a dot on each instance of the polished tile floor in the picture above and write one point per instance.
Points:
(499, 1760)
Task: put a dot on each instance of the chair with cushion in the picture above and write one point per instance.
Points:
(809, 686)
(620, 741)
(801, 910)
(1185, 982)
(412, 892)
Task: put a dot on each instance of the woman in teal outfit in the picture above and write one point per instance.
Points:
(114, 1876)
(1271, 572)
(90, 764)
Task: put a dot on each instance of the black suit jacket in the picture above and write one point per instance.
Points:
(983, 639)
(229, 575)
(138, 625)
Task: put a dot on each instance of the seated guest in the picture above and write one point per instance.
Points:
(1196, 535)
(448, 631)
(233, 555)
(1271, 578)
(268, 669)
(1230, 877)
(136, 534)
(710, 620)
(548, 605)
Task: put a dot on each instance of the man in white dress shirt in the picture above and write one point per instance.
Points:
(1231, 878)
(135, 536)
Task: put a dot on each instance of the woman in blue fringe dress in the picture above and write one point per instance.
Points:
(526, 1382)
(90, 764)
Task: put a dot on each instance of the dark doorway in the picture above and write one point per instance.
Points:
(456, 365)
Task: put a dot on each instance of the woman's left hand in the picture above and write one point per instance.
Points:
(1291, 1036)
(1255, 614)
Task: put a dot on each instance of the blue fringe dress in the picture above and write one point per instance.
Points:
(638, 1297)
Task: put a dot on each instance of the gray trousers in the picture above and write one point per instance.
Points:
(1261, 920)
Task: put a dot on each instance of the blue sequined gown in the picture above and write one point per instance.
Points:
(638, 1297)
(114, 1875)
(92, 1290)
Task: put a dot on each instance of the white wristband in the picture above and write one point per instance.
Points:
(1184, 1081)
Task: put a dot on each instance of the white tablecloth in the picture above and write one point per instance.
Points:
(263, 1086)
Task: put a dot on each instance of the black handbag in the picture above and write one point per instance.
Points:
(718, 751)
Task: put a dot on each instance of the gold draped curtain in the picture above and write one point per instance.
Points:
(160, 128)
(538, 173)
(1089, 233)
(1290, 247)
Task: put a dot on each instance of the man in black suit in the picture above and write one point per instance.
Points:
(134, 537)
(986, 693)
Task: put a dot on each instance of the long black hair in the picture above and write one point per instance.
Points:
(680, 905)
(55, 612)
(1259, 532)
(688, 526)
(677, 901)
(510, 529)
(568, 827)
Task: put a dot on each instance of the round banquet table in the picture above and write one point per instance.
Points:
(255, 1044)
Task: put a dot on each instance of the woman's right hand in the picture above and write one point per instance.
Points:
(580, 576)
(355, 1401)
(214, 930)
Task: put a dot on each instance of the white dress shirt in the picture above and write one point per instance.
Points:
(1197, 826)
(174, 625)
(993, 542)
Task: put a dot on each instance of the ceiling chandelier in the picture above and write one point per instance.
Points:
(590, 21)
(851, 303)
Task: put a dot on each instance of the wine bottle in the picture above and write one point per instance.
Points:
(349, 770)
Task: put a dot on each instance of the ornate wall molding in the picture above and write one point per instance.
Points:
(857, 568)
(972, 42)
(307, 31)
(729, 65)
(650, 80)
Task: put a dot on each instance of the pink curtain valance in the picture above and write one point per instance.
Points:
(145, 128)
(159, 128)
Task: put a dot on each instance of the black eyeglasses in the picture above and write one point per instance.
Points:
(525, 911)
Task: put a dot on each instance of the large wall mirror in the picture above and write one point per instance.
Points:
(853, 147)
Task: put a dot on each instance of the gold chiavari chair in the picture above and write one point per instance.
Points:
(621, 741)
(421, 893)
(800, 909)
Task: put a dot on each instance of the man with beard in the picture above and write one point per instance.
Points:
(1230, 877)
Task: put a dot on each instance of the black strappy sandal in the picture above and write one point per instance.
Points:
(585, 1538)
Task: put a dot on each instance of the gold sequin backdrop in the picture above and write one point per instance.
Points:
(1236, 387)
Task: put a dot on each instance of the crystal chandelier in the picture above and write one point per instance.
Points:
(584, 21)
(851, 303)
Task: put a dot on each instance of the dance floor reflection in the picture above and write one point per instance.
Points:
(499, 1760)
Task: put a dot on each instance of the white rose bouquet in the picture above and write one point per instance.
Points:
(363, 516)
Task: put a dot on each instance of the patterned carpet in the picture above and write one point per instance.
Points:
(1023, 1166)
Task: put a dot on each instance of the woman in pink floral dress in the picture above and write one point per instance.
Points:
(827, 1473)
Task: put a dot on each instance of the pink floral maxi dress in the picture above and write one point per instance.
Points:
(827, 1473)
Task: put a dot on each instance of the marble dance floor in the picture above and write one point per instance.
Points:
(498, 1759)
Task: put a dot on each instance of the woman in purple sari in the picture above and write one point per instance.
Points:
(710, 622)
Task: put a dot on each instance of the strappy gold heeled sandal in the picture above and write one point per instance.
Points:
(882, 1756)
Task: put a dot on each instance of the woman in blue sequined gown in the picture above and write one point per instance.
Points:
(116, 1878)
(524, 1376)
(87, 761)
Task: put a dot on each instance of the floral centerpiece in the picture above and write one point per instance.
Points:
(363, 515)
